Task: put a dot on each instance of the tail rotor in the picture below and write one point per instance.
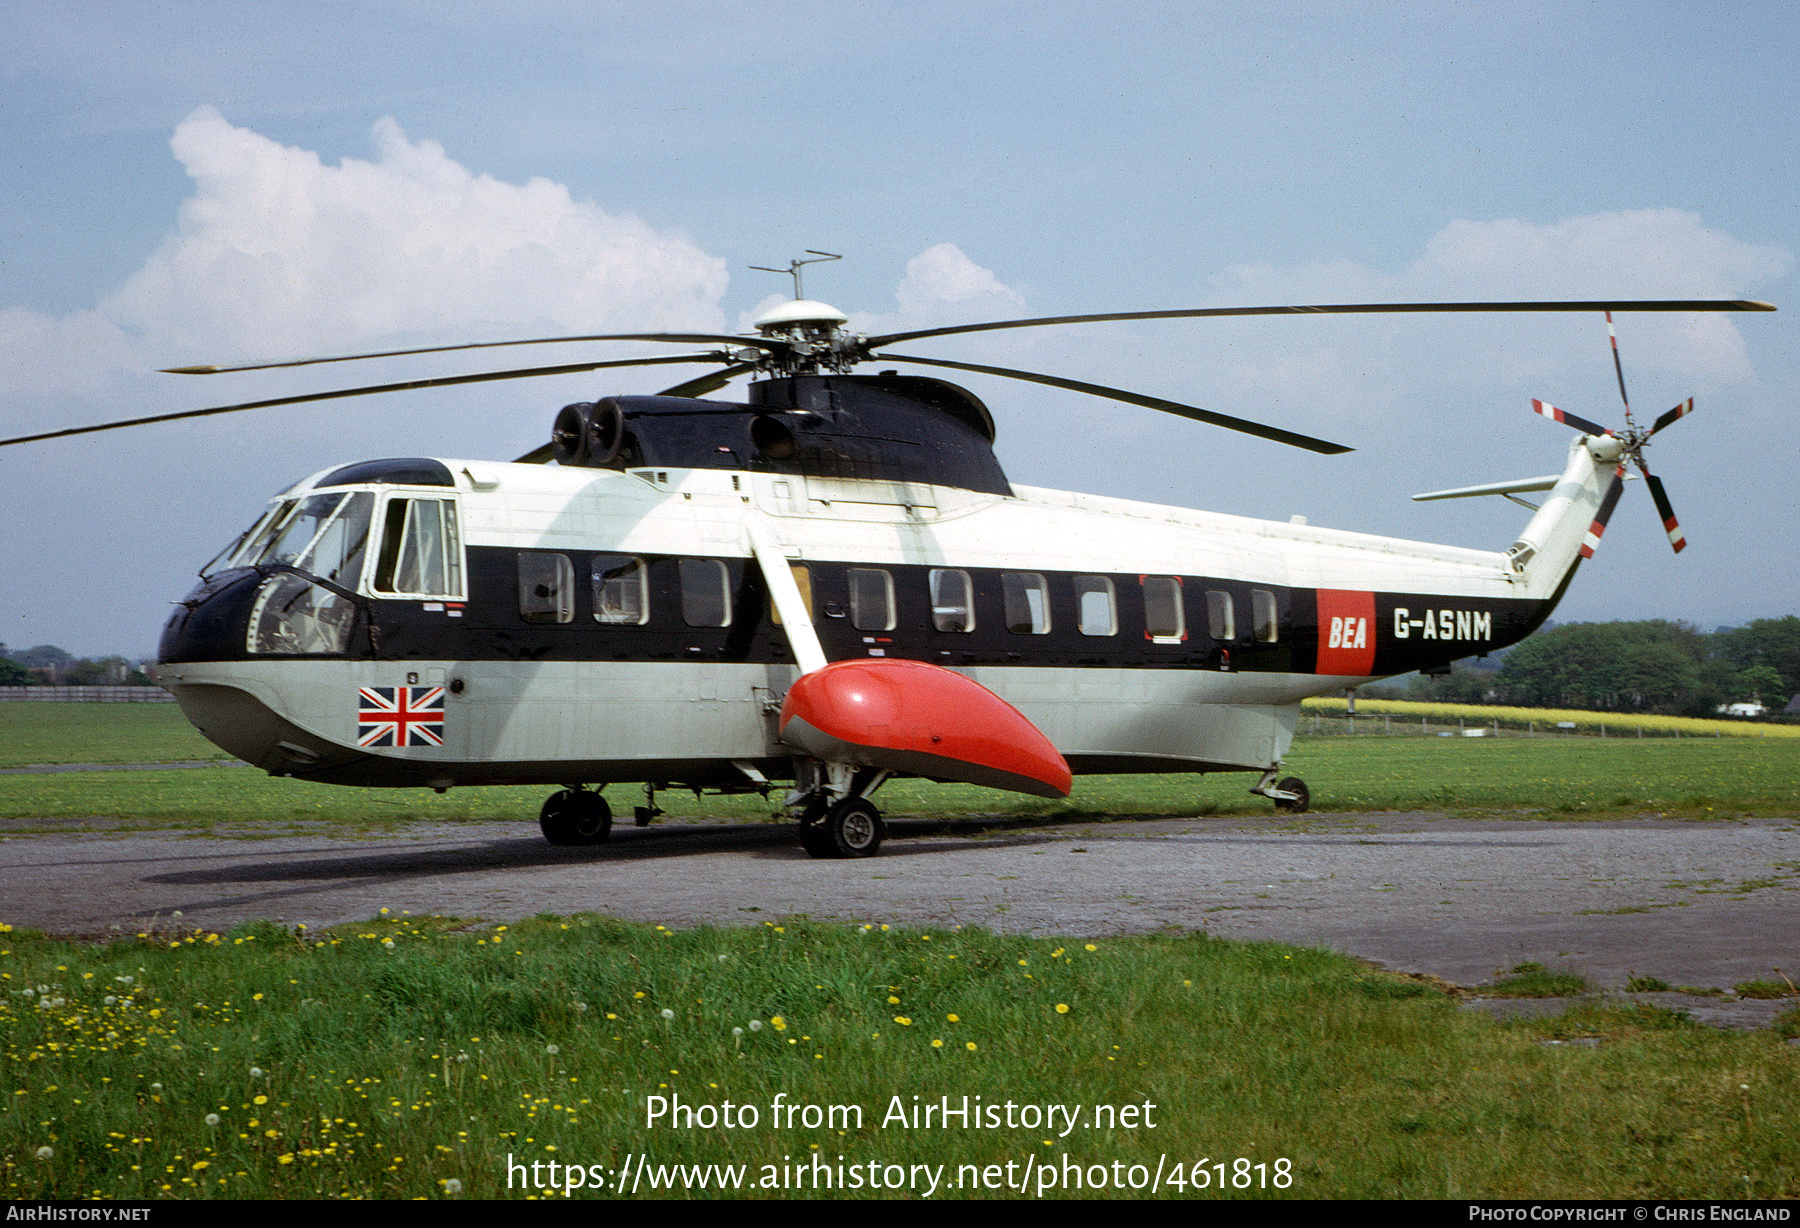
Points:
(1632, 440)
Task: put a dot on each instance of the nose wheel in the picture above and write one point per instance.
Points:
(574, 817)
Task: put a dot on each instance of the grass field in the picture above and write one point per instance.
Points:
(409, 1057)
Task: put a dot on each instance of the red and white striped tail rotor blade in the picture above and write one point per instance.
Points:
(1674, 415)
(1665, 511)
(1567, 419)
(1618, 367)
(1603, 513)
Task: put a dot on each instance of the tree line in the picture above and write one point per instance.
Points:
(1672, 668)
(48, 665)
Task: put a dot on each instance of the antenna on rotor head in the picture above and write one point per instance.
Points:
(793, 269)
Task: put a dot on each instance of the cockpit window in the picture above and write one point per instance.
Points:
(323, 534)
(336, 553)
(421, 551)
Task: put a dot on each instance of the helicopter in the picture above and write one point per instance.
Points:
(831, 583)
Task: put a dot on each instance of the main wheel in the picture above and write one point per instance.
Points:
(575, 816)
(1301, 799)
(853, 828)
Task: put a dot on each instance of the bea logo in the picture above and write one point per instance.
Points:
(1346, 646)
(1349, 633)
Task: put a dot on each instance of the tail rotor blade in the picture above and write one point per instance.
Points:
(1567, 419)
(1591, 540)
(1665, 511)
(1674, 415)
(1618, 368)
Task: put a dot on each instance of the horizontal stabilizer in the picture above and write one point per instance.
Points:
(1494, 488)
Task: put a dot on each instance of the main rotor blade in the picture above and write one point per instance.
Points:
(1567, 419)
(444, 382)
(670, 338)
(703, 384)
(1133, 398)
(1673, 416)
(1339, 309)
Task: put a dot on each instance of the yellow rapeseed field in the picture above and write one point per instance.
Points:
(1547, 719)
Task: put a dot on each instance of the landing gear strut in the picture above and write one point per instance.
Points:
(575, 816)
(1290, 794)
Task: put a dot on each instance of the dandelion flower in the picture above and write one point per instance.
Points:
(1062, 1008)
(1092, 947)
(778, 1023)
(893, 1001)
(936, 1043)
(954, 1018)
(904, 1021)
(970, 1046)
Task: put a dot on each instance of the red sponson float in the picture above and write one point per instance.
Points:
(908, 716)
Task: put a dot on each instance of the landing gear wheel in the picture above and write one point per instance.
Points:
(1301, 798)
(574, 817)
(853, 828)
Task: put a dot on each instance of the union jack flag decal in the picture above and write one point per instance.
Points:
(400, 716)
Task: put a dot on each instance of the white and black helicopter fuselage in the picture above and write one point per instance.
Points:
(831, 583)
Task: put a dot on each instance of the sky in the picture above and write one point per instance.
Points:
(186, 183)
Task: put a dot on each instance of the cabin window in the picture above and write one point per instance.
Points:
(1095, 602)
(1165, 617)
(952, 600)
(1027, 600)
(546, 588)
(420, 550)
(1264, 616)
(1221, 615)
(620, 590)
(705, 593)
(803, 582)
(871, 599)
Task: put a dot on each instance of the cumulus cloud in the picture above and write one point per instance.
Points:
(1645, 253)
(943, 286)
(278, 253)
